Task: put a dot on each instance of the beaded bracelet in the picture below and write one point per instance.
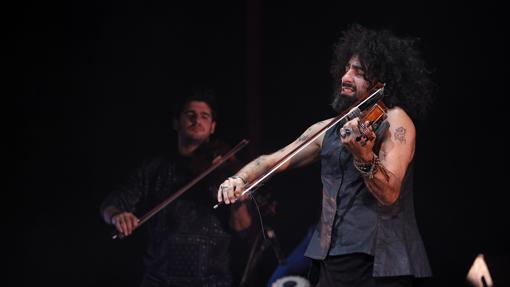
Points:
(368, 169)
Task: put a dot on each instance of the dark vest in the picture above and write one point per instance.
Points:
(353, 221)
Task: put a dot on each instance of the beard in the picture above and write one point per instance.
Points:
(342, 102)
(195, 137)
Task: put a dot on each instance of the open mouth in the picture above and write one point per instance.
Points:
(348, 87)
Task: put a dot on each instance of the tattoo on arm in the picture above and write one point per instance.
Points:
(307, 133)
(303, 138)
(400, 135)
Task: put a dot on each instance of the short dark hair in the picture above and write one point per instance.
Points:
(198, 94)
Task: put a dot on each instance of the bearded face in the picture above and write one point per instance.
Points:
(352, 86)
(195, 123)
(341, 102)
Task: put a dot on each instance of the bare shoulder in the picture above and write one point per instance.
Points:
(401, 125)
(399, 114)
(398, 145)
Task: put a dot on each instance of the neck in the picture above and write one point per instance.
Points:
(187, 147)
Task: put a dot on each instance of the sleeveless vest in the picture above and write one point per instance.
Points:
(353, 221)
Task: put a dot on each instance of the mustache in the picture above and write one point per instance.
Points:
(348, 85)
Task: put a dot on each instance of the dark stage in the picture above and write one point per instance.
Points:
(100, 77)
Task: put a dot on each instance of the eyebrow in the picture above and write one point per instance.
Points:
(355, 66)
(195, 112)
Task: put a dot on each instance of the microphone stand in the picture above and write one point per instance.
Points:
(257, 250)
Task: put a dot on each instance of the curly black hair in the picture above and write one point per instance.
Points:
(388, 59)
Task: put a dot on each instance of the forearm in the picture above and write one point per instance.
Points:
(255, 168)
(306, 155)
(233, 187)
(384, 186)
(382, 183)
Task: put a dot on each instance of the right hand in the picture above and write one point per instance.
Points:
(125, 222)
(230, 190)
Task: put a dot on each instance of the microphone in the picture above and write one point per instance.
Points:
(275, 245)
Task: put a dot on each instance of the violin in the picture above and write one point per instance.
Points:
(371, 117)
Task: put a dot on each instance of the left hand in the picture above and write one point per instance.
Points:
(359, 143)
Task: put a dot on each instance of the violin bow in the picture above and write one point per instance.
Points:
(344, 116)
(185, 188)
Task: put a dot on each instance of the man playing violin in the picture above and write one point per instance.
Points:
(367, 234)
(189, 243)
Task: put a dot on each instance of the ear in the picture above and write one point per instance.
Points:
(213, 127)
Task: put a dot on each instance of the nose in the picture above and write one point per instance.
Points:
(348, 76)
(193, 119)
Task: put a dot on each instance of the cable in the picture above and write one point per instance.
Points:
(260, 216)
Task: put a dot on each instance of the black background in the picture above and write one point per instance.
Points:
(100, 78)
